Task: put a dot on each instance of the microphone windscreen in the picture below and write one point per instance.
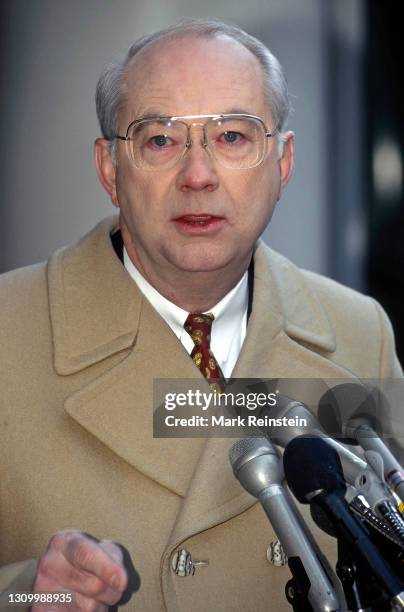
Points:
(310, 465)
(347, 401)
(246, 449)
(330, 415)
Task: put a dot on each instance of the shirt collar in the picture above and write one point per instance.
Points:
(230, 313)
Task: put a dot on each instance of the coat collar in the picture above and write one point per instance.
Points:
(97, 313)
(303, 317)
(90, 291)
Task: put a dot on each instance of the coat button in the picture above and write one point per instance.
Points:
(276, 555)
(183, 565)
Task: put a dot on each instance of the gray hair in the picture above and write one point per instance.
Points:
(110, 91)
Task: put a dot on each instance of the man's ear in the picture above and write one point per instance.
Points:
(106, 170)
(287, 160)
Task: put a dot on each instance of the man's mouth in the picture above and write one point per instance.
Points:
(202, 223)
(199, 219)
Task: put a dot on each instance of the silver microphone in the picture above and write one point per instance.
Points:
(258, 466)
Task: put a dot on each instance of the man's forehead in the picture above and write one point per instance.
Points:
(192, 49)
(199, 68)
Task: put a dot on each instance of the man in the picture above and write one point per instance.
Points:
(194, 155)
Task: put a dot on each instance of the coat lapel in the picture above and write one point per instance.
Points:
(127, 344)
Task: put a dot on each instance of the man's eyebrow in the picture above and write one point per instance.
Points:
(238, 111)
(151, 114)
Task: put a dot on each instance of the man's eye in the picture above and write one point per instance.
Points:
(232, 137)
(161, 140)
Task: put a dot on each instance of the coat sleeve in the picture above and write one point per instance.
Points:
(16, 578)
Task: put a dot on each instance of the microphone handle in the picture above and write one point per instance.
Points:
(350, 529)
(298, 543)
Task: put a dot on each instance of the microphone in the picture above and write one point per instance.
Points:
(365, 479)
(258, 467)
(314, 473)
(351, 411)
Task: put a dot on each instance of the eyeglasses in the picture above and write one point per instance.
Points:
(236, 141)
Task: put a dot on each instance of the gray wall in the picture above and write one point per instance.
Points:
(53, 53)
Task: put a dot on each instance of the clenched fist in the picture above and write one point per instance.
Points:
(93, 571)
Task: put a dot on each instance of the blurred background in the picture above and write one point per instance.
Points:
(342, 215)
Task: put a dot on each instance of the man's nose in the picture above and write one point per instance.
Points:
(197, 170)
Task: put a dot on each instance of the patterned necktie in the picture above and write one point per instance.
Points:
(199, 326)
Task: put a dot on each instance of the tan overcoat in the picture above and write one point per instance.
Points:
(80, 347)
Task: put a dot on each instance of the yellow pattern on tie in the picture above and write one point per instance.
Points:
(199, 327)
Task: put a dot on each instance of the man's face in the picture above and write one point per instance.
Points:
(196, 216)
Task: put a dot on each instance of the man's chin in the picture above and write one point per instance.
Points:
(200, 267)
(197, 257)
(201, 264)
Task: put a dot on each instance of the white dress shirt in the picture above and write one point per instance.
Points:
(229, 327)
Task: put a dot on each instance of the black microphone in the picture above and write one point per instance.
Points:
(257, 465)
(356, 413)
(314, 473)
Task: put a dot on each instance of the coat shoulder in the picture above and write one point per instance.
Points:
(22, 290)
(360, 323)
(26, 343)
(340, 303)
(340, 299)
(358, 332)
